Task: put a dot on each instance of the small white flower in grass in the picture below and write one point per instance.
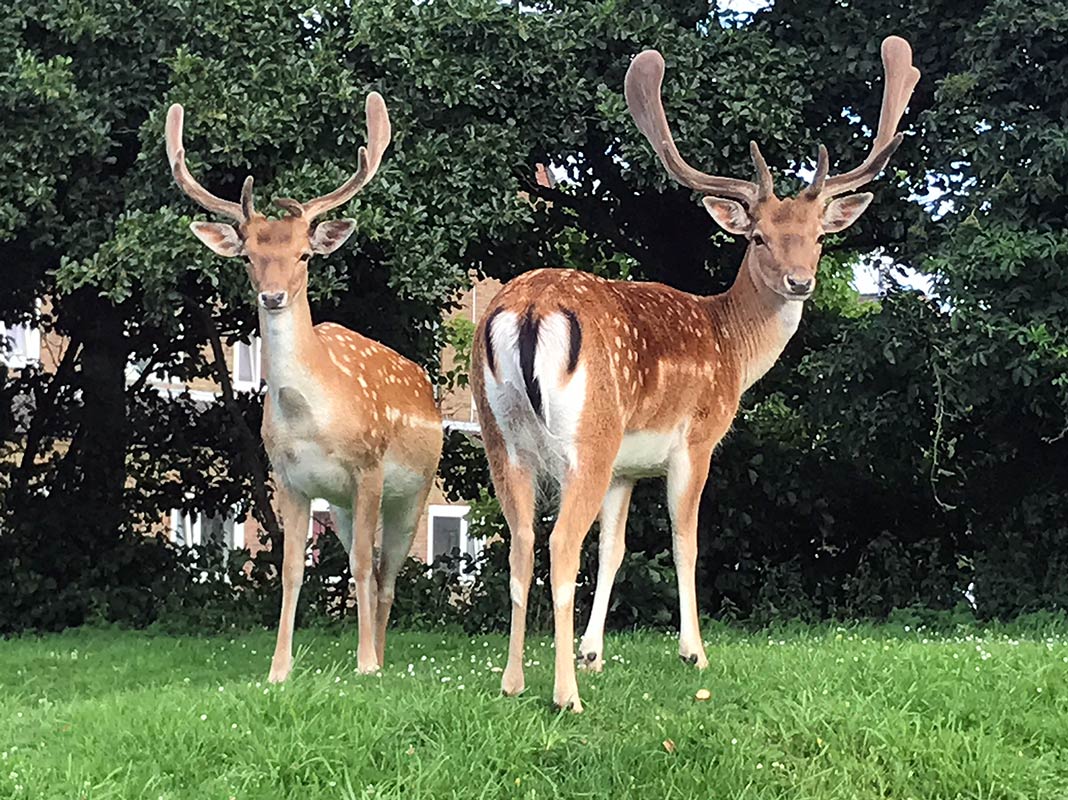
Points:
(203, 717)
(233, 726)
(734, 741)
(1038, 689)
(221, 688)
(759, 765)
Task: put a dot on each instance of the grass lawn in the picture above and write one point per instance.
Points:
(805, 712)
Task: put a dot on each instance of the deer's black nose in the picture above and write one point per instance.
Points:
(799, 286)
(273, 301)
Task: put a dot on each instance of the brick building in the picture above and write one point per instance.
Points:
(444, 524)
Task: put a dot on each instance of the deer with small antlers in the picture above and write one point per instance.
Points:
(345, 418)
(595, 383)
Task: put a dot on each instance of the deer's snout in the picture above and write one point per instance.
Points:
(273, 301)
(799, 287)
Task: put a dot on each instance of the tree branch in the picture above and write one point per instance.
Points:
(250, 443)
(41, 411)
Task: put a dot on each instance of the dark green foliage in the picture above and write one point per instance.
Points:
(900, 450)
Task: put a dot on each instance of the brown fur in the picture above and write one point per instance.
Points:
(345, 417)
(665, 368)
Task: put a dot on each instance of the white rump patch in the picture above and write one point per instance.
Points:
(548, 446)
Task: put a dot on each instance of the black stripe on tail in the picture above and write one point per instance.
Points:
(491, 359)
(528, 342)
(574, 339)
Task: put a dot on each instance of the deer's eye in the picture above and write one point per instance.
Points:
(758, 240)
(304, 257)
(820, 238)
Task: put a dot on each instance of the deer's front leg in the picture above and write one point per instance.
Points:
(294, 509)
(361, 563)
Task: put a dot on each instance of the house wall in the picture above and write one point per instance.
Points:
(456, 404)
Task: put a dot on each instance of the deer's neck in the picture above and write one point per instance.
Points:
(289, 345)
(755, 322)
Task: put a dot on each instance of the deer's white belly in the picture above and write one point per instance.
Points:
(310, 469)
(314, 472)
(399, 480)
(645, 454)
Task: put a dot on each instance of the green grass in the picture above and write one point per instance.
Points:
(824, 712)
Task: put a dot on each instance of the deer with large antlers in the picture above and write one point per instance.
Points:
(595, 383)
(345, 418)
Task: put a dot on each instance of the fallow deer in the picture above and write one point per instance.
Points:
(345, 418)
(594, 383)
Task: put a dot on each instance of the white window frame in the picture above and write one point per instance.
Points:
(319, 505)
(193, 525)
(31, 354)
(445, 512)
(254, 349)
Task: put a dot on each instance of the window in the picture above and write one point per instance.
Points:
(191, 529)
(247, 374)
(447, 531)
(320, 524)
(22, 345)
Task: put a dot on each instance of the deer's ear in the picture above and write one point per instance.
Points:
(844, 211)
(729, 215)
(220, 237)
(329, 236)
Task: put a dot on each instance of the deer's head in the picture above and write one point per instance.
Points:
(785, 235)
(278, 250)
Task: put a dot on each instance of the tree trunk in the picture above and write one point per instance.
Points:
(93, 474)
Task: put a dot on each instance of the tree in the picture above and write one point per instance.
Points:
(896, 449)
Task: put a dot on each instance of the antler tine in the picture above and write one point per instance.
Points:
(246, 198)
(765, 183)
(378, 136)
(642, 89)
(901, 78)
(823, 165)
(185, 180)
(294, 207)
